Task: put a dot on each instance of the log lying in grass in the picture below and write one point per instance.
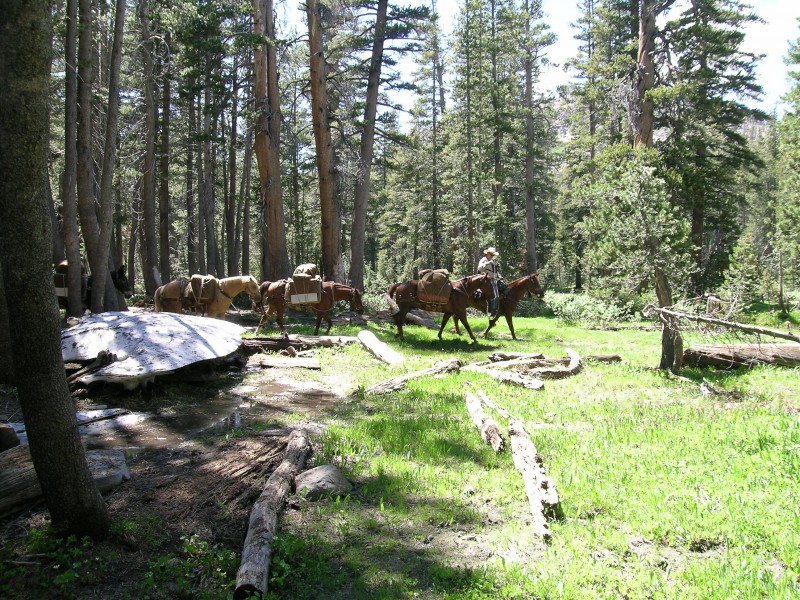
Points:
(488, 402)
(379, 349)
(509, 377)
(490, 432)
(20, 486)
(396, 383)
(253, 575)
(267, 361)
(297, 342)
(735, 356)
(542, 494)
(506, 356)
(571, 369)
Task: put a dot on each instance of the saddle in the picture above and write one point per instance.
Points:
(434, 286)
(199, 290)
(304, 286)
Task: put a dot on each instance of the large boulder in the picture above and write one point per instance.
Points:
(318, 482)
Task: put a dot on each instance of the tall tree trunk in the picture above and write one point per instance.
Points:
(191, 212)
(275, 258)
(645, 75)
(207, 190)
(85, 178)
(531, 257)
(68, 184)
(242, 232)
(101, 278)
(359, 225)
(148, 192)
(74, 503)
(671, 341)
(320, 115)
(230, 200)
(164, 225)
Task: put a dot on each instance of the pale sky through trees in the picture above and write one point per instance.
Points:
(770, 38)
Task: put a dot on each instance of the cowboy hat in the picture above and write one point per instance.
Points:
(491, 250)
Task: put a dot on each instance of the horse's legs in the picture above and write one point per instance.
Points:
(510, 325)
(399, 318)
(445, 319)
(466, 325)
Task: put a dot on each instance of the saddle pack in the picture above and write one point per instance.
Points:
(201, 289)
(304, 286)
(434, 286)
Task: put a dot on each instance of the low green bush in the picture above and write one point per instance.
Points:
(584, 309)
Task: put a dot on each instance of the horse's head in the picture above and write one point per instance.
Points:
(533, 286)
(120, 279)
(356, 305)
(252, 288)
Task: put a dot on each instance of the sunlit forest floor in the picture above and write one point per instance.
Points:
(670, 487)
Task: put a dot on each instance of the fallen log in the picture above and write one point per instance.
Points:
(571, 369)
(742, 356)
(20, 486)
(506, 356)
(509, 377)
(103, 359)
(488, 402)
(380, 350)
(675, 314)
(490, 432)
(396, 383)
(542, 494)
(271, 361)
(253, 575)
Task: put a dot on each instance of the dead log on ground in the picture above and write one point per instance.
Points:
(379, 349)
(721, 322)
(505, 356)
(735, 356)
(490, 432)
(297, 342)
(488, 402)
(20, 486)
(267, 361)
(509, 377)
(396, 383)
(253, 575)
(542, 494)
(571, 369)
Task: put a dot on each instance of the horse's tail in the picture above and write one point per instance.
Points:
(157, 299)
(389, 298)
(392, 289)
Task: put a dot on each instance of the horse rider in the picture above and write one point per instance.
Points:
(488, 265)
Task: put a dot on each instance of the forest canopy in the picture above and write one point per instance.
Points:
(213, 137)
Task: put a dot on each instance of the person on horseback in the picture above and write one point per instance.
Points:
(488, 265)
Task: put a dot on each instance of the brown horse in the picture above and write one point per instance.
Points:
(456, 306)
(273, 296)
(509, 298)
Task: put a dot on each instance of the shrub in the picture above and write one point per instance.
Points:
(584, 309)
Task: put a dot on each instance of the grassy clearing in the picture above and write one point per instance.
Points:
(666, 493)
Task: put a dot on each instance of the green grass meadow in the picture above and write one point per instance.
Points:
(665, 492)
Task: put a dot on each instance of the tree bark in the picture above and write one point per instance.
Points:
(58, 457)
(736, 356)
(104, 296)
(164, 225)
(490, 432)
(531, 257)
(148, 193)
(68, 194)
(645, 75)
(379, 349)
(399, 382)
(360, 204)
(191, 204)
(321, 118)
